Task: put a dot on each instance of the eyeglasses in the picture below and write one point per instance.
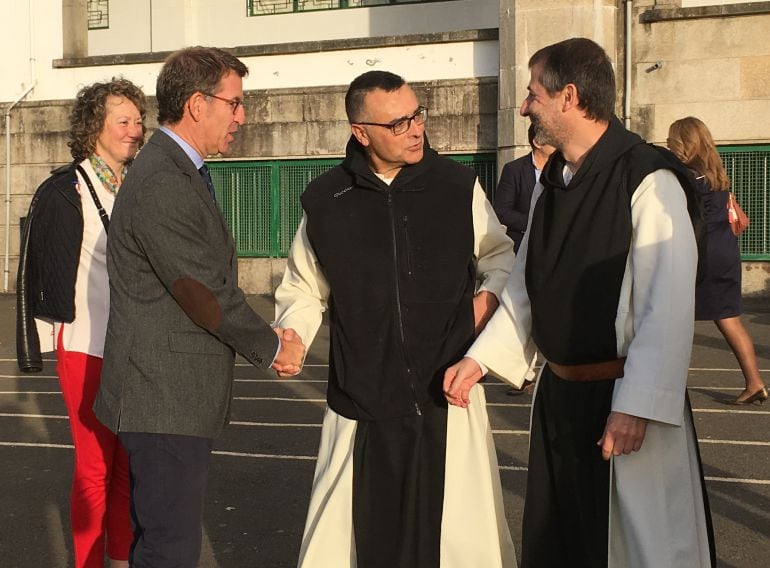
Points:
(234, 103)
(402, 125)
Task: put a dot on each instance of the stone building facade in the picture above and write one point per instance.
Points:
(466, 58)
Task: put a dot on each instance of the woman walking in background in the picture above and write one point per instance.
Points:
(718, 296)
(62, 282)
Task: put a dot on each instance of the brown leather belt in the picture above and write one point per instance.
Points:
(603, 371)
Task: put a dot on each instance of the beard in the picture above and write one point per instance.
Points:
(543, 135)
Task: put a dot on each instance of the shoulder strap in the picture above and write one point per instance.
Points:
(102, 213)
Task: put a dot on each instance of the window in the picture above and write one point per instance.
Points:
(265, 7)
(749, 170)
(98, 14)
(260, 200)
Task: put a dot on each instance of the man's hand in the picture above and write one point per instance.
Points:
(458, 380)
(622, 435)
(484, 305)
(290, 356)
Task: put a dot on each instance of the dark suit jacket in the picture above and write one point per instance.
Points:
(177, 316)
(512, 196)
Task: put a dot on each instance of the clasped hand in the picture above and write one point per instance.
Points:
(458, 381)
(291, 355)
(623, 434)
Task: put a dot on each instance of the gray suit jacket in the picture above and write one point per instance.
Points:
(177, 316)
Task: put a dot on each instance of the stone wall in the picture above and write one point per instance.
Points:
(712, 62)
(280, 124)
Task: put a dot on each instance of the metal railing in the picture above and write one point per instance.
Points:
(267, 7)
(749, 170)
(260, 199)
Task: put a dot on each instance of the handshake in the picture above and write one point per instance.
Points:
(291, 355)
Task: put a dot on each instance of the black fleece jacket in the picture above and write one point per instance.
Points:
(400, 264)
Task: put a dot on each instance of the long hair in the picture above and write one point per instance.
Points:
(90, 110)
(690, 140)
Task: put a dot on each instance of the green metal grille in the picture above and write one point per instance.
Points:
(486, 168)
(260, 200)
(749, 170)
(267, 7)
(294, 176)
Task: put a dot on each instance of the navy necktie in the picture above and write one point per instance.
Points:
(204, 171)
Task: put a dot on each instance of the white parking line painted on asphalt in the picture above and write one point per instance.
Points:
(262, 456)
(711, 479)
(45, 416)
(737, 480)
(712, 370)
(496, 383)
(25, 376)
(280, 380)
(250, 365)
(732, 442)
(14, 360)
(30, 392)
(35, 445)
(318, 425)
(279, 399)
(275, 424)
(706, 369)
(489, 404)
(719, 411)
(313, 458)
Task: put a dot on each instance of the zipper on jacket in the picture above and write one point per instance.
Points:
(398, 300)
(405, 220)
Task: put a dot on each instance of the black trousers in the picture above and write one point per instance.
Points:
(566, 509)
(168, 480)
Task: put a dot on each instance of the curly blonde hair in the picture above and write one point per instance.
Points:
(690, 140)
(88, 114)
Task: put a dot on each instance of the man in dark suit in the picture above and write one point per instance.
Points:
(514, 192)
(177, 316)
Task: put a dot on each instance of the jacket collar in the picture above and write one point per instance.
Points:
(615, 142)
(356, 162)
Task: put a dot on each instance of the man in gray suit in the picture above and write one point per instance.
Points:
(177, 316)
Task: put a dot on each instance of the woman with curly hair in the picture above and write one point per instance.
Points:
(718, 296)
(62, 282)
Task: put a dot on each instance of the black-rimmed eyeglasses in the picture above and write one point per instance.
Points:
(234, 103)
(402, 125)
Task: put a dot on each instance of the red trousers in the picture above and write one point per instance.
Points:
(99, 512)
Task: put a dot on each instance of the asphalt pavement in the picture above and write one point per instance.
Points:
(262, 469)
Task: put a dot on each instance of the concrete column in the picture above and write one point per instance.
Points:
(74, 28)
(507, 108)
(525, 27)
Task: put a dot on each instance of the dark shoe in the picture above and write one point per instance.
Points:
(527, 388)
(759, 396)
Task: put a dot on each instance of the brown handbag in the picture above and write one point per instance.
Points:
(738, 220)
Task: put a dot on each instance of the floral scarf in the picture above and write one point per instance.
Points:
(105, 174)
